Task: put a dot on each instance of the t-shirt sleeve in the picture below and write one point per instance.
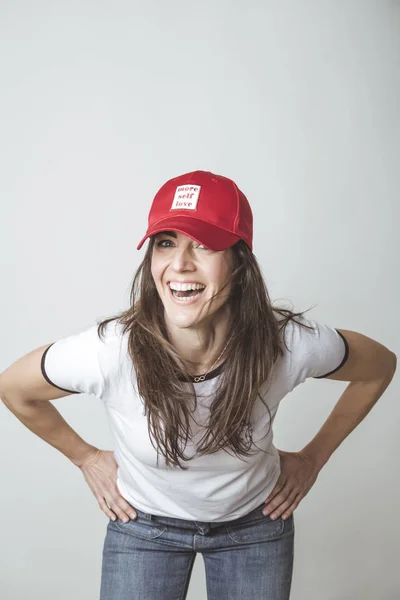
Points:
(316, 352)
(72, 363)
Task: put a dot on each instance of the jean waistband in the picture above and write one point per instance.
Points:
(188, 524)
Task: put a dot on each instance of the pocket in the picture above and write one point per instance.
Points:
(140, 528)
(260, 530)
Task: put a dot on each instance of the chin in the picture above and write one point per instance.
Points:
(181, 320)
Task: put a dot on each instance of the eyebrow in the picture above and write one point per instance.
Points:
(170, 233)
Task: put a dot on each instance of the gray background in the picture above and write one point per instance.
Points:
(101, 102)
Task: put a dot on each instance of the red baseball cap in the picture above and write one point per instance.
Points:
(207, 207)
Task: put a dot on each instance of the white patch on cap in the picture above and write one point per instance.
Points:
(186, 197)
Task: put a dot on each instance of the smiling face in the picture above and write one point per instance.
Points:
(177, 258)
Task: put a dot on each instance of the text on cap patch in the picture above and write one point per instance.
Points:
(186, 197)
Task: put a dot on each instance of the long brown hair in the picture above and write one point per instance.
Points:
(162, 378)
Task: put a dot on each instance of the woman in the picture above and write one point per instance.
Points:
(194, 372)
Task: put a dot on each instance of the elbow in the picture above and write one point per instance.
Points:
(392, 366)
(394, 362)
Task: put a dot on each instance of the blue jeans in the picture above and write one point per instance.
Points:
(151, 558)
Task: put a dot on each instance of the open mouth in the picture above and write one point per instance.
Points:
(187, 295)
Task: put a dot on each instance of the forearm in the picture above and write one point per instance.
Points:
(352, 407)
(44, 420)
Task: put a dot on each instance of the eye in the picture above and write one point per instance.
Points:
(159, 244)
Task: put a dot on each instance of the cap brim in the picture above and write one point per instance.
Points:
(208, 235)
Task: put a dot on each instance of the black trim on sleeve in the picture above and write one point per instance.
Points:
(346, 356)
(46, 376)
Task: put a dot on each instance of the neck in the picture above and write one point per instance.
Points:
(197, 347)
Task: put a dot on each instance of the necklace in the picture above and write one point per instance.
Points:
(197, 378)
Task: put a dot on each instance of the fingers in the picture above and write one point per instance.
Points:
(106, 509)
(284, 510)
(282, 505)
(100, 473)
(118, 507)
(289, 511)
(277, 490)
(285, 495)
(279, 487)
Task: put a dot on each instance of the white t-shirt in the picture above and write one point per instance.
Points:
(220, 487)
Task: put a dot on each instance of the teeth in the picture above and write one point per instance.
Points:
(184, 287)
(187, 298)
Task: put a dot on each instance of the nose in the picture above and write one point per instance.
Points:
(182, 260)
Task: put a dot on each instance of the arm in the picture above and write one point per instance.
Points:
(370, 369)
(27, 394)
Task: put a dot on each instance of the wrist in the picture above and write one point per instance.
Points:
(314, 458)
(86, 457)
